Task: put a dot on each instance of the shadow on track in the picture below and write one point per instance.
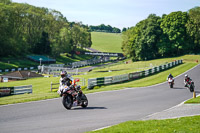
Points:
(198, 92)
(178, 88)
(88, 108)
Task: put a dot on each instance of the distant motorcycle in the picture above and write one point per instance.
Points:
(190, 85)
(73, 96)
(171, 82)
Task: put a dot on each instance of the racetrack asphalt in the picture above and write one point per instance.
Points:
(104, 109)
(181, 110)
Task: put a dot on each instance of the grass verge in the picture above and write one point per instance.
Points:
(193, 100)
(179, 125)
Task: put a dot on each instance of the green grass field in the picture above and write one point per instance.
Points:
(107, 42)
(179, 125)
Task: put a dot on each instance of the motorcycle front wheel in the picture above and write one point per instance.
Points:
(171, 85)
(67, 101)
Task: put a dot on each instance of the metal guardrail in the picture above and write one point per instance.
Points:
(125, 77)
(5, 91)
(17, 69)
(22, 89)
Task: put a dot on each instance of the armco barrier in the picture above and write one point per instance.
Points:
(120, 78)
(21, 90)
(17, 69)
(5, 91)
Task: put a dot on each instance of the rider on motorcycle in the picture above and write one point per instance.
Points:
(64, 80)
(67, 80)
(170, 76)
(187, 78)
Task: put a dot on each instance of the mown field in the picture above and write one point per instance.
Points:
(107, 42)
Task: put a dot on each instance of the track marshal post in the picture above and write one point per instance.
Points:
(194, 94)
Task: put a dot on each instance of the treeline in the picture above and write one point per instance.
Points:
(104, 28)
(28, 29)
(174, 34)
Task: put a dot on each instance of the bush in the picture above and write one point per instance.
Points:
(96, 87)
(83, 87)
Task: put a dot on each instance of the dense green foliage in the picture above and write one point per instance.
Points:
(174, 34)
(104, 28)
(29, 29)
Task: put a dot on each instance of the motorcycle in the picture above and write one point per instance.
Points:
(73, 96)
(190, 85)
(171, 82)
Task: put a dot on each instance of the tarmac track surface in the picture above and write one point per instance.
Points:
(104, 109)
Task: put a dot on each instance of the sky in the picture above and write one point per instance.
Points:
(116, 13)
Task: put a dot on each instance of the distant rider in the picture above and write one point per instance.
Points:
(170, 76)
(186, 80)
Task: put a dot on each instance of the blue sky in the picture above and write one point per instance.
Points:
(117, 13)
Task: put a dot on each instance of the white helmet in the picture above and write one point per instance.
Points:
(186, 75)
(63, 73)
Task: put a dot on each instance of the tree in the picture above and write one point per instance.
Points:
(6, 1)
(43, 46)
(104, 28)
(193, 29)
(129, 38)
(150, 36)
(124, 29)
(80, 37)
(173, 25)
(141, 41)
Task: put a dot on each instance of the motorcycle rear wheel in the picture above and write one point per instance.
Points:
(84, 101)
(191, 88)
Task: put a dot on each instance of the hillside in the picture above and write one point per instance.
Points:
(107, 42)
